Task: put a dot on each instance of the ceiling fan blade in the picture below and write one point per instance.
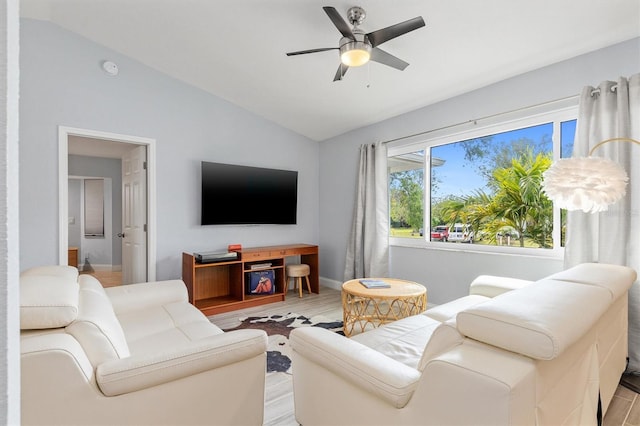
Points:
(380, 56)
(342, 69)
(340, 23)
(378, 37)
(303, 52)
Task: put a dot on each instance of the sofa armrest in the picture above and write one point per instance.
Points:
(498, 388)
(135, 297)
(492, 286)
(138, 372)
(365, 367)
(61, 345)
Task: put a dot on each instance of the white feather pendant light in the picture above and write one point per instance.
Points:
(590, 184)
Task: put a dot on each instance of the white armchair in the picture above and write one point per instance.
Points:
(136, 354)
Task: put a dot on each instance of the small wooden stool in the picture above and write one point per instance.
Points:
(297, 272)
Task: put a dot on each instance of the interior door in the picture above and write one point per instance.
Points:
(134, 216)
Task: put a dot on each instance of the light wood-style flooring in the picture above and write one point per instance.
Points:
(624, 409)
(279, 410)
(107, 278)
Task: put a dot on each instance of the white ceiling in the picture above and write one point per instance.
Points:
(236, 49)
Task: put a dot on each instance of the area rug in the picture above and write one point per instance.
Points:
(278, 328)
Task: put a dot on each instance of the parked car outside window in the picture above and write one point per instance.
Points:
(461, 233)
(440, 233)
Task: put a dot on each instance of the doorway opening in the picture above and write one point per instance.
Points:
(134, 239)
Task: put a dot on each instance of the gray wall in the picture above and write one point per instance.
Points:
(80, 165)
(448, 273)
(62, 84)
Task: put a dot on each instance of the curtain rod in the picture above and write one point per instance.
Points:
(596, 91)
(475, 121)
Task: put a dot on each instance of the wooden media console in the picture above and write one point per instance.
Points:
(220, 287)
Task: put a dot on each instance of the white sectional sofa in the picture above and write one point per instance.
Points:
(135, 354)
(512, 352)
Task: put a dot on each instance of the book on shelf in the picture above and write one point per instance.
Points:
(368, 283)
(261, 265)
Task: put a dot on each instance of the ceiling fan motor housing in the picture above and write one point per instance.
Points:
(355, 52)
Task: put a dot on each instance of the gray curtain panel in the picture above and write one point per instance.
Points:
(368, 246)
(612, 110)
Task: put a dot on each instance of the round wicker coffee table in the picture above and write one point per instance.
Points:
(365, 308)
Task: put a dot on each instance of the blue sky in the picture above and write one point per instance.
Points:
(459, 177)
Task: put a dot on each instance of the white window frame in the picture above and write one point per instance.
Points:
(555, 112)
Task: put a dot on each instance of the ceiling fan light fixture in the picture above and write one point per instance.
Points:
(355, 53)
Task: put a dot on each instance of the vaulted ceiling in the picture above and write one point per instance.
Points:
(235, 49)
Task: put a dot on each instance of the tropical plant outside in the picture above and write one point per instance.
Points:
(517, 206)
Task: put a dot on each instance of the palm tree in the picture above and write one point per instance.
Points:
(452, 210)
(480, 214)
(519, 200)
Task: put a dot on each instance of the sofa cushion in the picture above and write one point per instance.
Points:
(97, 328)
(47, 301)
(540, 320)
(449, 310)
(155, 328)
(137, 297)
(412, 341)
(614, 278)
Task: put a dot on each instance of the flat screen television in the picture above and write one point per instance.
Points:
(243, 195)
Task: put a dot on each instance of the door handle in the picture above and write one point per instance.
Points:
(121, 234)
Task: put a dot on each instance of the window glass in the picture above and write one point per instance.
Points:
(406, 195)
(485, 189)
(567, 136)
(488, 188)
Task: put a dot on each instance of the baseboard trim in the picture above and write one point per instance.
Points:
(326, 282)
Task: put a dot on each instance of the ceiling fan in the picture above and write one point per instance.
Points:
(357, 47)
